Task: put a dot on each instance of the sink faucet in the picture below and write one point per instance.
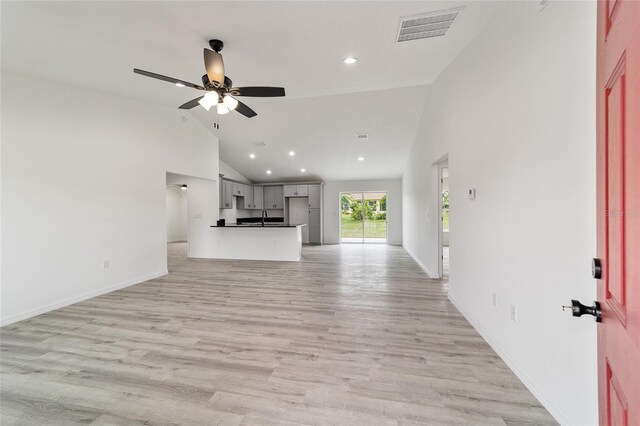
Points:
(264, 214)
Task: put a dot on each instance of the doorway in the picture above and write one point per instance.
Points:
(443, 219)
(363, 217)
(177, 213)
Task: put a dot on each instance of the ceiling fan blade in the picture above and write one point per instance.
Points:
(245, 110)
(168, 79)
(215, 66)
(258, 91)
(191, 104)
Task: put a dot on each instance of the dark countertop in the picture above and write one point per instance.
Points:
(248, 220)
(255, 225)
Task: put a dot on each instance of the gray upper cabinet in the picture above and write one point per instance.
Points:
(290, 190)
(258, 197)
(296, 191)
(226, 195)
(314, 196)
(248, 197)
(273, 197)
(278, 196)
(239, 190)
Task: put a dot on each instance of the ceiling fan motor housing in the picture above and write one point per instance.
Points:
(216, 45)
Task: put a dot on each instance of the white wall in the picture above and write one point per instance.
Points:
(83, 181)
(231, 173)
(515, 113)
(177, 214)
(332, 190)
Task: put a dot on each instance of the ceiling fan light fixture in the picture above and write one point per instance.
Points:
(230, 102)
(205, 104)
(222, 108)
(209, 100)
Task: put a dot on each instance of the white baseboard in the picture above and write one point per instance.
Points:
(551, 407)
(75, 299)
(421, 265)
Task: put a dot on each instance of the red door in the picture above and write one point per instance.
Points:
(618, 202)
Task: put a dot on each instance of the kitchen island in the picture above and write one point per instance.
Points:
(255, 241)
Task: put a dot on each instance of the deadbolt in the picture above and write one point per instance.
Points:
(596, 268)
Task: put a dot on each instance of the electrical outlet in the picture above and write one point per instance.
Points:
(495, 299)
(105, 264)
(514, 314)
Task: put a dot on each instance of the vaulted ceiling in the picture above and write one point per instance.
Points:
(298, 45)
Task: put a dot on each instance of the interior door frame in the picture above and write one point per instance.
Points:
(386, 235)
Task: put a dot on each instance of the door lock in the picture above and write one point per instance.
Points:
(596, 268)
(578, 309)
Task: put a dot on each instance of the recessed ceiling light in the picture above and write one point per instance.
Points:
(291, 153)
(179, 84)
(360, 158)
(350, 60)
(268, 172)
(252, 155)
(303, 170)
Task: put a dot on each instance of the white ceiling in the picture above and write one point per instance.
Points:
(298, 45)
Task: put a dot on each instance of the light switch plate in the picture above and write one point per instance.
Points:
(471, 193)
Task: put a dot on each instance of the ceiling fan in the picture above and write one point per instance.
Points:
(219, 87)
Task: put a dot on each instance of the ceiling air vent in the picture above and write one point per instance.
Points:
(362, 136)
(429, 25)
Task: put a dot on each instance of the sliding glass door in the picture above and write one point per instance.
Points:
(363, 217)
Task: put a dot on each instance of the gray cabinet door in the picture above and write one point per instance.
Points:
(315, 228)
(302, 190)
(290, 190)
(269, 200)
(248, 197)
(227, 195)
(314, 217)
(315, 236)
(239, 190)
(278, 197)
(314, 196)
(258, 197)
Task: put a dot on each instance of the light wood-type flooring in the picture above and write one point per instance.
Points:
(351, 335)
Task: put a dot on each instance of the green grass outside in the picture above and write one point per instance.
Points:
(353, 228)
(445, 220)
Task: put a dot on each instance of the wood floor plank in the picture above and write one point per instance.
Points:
(351, 335)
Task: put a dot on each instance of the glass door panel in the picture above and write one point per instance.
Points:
(375, 217)
(363, 217)
(351, 217)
